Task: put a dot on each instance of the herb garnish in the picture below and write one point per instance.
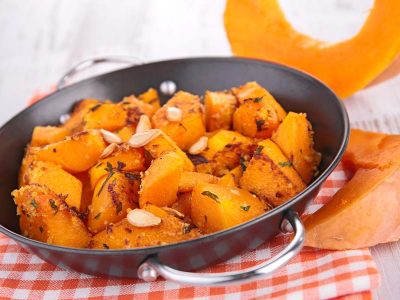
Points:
(285, 163)
(97, 216)
(110, 170)
(41, 229)
(258, 150)
(96, 107)
(34, 204)
(211, 195)
(132, 176)
(53, 205)
(106, 246)
(243, 163)
(118, 207)
(257, 99)
(260, 124)
(245, 207)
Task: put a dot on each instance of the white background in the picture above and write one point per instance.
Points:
(40, 40)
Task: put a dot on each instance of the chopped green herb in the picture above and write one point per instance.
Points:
(118, 207)
(111, 172)
(132, 176)
(53, 205)
(41, 229)
(243, 164)
(257, 99)
(120, 165)
(106, 246)
(245, 207)
(259, 149)
(285, 163)
(96, 107)
(260, 124)
(97, 216)
(34, 204)
(211, 195)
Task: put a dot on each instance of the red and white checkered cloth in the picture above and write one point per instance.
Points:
(314, 274)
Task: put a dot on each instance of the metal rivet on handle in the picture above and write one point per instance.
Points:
(147, 273)
(168, 87)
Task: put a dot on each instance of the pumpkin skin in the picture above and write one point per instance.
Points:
(259, 29)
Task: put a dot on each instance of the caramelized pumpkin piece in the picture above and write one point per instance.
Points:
(150, 97)
(365, 212)
(26, 162)
(113, 195)
(163, 144)
(161, 180)
(57, 180)
(220, 107)
(232, 178)
(75, 154)
(224, 151)
(75, 122)
(215, 207)
(125, 158)
(270, 175)
(44, 135)
(295, 137)
(184, 205)
(135, 108)
(123, 235)
(108, 116)
(87, 191)
(44, 216)
(372, 150)
(190, 128)
(188, 180)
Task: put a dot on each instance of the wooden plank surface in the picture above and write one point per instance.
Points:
(41, 39)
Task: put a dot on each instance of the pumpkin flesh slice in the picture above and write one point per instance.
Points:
(259, 29)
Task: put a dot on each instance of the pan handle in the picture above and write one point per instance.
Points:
(88, 63)
(152, 267)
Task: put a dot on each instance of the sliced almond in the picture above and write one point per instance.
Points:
(142, 218)
(173, 114)
(108, 151)
(173, 212)
(199, 146)
(110, 137)
(141, 139)
(144, 124)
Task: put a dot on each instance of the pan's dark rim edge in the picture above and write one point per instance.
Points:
(155, 249)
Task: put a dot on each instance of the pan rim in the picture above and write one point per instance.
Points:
(155, 249)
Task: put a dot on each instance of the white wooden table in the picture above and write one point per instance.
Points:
(39, 40)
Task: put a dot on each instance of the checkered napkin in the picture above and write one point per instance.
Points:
(314, 274)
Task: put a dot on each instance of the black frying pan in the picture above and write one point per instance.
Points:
(295, 90)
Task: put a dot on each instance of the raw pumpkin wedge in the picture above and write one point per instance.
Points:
(372, 150)
(76, 154)
(365, 212)
(259, 29)
(295, 137)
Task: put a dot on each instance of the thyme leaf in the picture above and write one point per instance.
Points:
(285, 163)
(245, 207)
(211, 195)
(258, 150)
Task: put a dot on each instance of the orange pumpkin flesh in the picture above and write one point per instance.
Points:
(259, 29)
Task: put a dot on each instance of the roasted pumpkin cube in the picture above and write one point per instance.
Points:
(161, 180)
(224, 151)
(81, 108)
(219, 107)
(295, 137)
(150, 97)
(25, 164)
(135, 108)
(270, 175)
(184, 205)
(76, 154)
(124, 235)
(126, 132)
(87, 191)
(108, 116)
(125, 158)
(215, 207)
(113, 195)
(188, 180)
(44, 216)
(44, 135)
(252, 90)
(163, 144)
(191, 126)
(57, 180)
(259, 114)
(233, 177)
